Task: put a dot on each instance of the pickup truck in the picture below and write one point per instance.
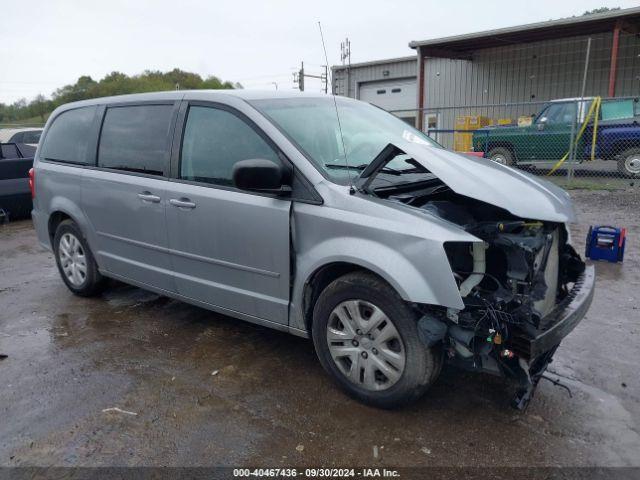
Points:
(15, 192)
(548, 137)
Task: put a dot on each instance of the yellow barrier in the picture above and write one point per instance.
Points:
(594, 109)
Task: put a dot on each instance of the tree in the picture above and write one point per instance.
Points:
(115, 83)
(600, 10)
(40, 106)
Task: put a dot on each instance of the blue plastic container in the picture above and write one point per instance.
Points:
(606, 243)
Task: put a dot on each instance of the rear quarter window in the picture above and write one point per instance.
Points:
(136, 138)
(69, 135)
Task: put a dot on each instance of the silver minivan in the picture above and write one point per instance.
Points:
(320, 216)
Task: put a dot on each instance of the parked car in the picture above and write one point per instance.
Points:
(548, 138)
(26, 136)
(15, 195)
(395, 258)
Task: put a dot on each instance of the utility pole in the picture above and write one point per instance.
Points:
(345, 51)
(345, 56)
(325, 80)
(299, 76)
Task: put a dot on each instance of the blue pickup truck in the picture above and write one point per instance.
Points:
(548, 137)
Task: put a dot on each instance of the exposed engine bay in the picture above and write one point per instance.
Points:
(510, 284)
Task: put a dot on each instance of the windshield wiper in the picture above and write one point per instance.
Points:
(344, 166)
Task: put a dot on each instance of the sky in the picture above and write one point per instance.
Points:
(47, 44)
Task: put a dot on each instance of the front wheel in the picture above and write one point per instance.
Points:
(366, 337)
(629, 163)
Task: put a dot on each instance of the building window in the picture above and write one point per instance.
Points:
(381, 92)
(396, 90)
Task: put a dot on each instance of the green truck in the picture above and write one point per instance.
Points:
(548, 138)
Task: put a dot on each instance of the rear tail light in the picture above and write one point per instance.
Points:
(32, 182)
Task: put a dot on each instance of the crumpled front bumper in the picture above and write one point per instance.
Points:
(561, 320)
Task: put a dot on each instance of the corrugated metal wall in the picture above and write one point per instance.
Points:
(532, 72)
(628, 80)
(528, 75)
(403, 68)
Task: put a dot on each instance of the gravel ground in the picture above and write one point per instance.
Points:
(270, 403)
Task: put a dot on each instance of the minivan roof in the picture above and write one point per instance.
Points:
(187, 94)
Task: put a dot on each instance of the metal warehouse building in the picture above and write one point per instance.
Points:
(390, 84)
(504, 73)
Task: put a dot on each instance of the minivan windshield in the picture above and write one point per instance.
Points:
(312, 124)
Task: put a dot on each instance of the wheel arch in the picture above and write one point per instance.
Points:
(417, 278)
(55, 219)
(622, 146)
(501, 144)
(61, 209)
(321, 278)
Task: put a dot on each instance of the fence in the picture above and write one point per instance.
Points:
(588, 143)
(579, 143)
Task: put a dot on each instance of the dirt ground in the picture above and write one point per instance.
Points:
(270, 403)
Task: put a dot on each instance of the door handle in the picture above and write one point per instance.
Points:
(182, 203)
(149, 197)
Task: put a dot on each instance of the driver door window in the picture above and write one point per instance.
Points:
(559, 114)
(214, 140)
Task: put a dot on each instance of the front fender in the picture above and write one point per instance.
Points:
(611, 141)
(414, 265)
(422, 280)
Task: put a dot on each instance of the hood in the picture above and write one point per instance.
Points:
(517, 192)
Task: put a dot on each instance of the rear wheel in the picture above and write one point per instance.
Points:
(629, 163)
(366, 337)
(75, 261)
(501, 155)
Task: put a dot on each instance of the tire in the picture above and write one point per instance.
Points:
(629, 163)
(361, 375)
(501, 155)
(75, 261)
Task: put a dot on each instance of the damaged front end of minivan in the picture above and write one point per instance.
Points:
(522, 284)
(519, 287)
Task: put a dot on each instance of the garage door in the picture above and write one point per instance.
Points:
(390, 94)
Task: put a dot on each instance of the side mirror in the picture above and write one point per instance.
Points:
(541, 123)
(260, 175)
